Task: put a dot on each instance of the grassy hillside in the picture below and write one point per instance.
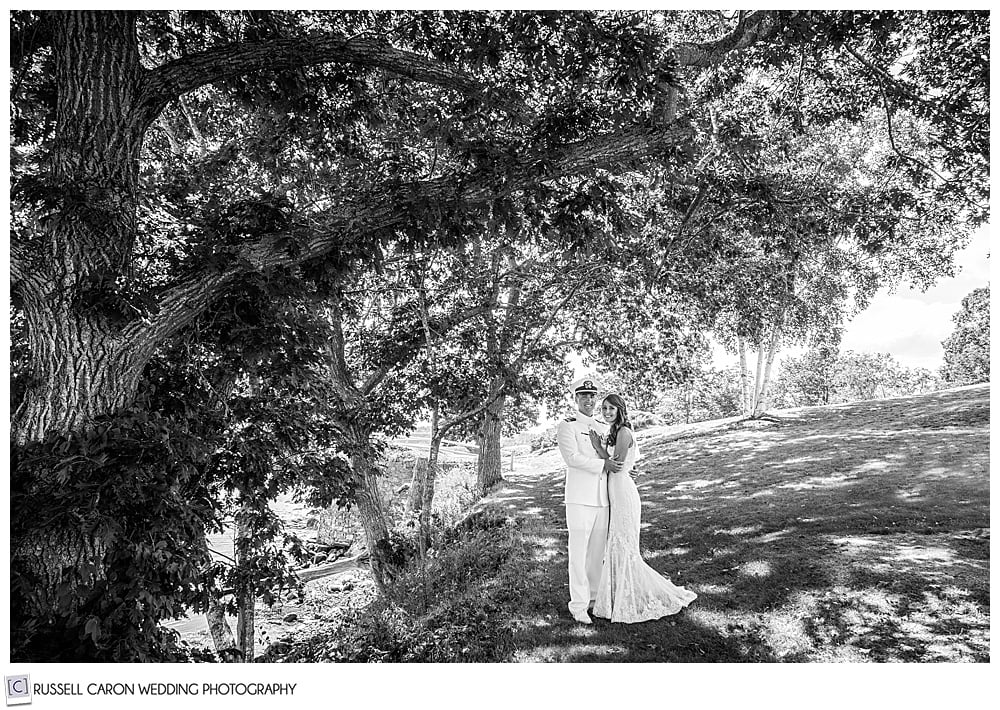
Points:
(855, 532)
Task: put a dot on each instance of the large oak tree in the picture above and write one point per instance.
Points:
(162, 158)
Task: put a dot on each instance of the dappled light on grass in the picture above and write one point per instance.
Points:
(872, 467)
(856, 542)
(589, 652)
(772, 536)
(581, 631)
(837, 479)
(698, 483)
(911, 493)
(649, 554)
(742, 530)
(910, 553)
(545, 554)
(785, 631)
(838, 536)
(755, 568)
(722, 552)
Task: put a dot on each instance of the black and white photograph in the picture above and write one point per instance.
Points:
(496, 337)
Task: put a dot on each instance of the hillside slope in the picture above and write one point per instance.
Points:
(854, 532)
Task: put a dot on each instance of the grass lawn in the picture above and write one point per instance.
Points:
(855, 532)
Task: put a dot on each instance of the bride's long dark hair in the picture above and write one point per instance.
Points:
(621, 418)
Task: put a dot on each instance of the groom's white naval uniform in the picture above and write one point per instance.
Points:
(586, 502)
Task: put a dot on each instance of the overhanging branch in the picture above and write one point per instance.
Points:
(333, 230)
(751, 29)
(180, 76)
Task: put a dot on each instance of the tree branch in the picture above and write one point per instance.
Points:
(494, 395)
(751, 29)
(338, 228)
(339, 370)
(884, 79)
(173, 79)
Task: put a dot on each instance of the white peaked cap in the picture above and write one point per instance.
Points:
(586, 384)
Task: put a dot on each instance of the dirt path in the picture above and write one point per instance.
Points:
(845, 533)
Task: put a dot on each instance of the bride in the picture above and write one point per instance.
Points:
(630, 590)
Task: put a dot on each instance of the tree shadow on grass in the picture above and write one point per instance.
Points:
(549, 634)
(828, 535)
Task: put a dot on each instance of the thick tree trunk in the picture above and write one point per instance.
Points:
(488, 465)
(82, 364)
(47, 558)
(358, 441)
(368, 500)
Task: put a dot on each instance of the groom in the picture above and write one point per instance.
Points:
(586, 497)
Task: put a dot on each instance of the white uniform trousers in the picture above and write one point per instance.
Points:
(588, 536)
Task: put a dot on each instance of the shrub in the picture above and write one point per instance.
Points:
(472, 581)
(128, 484)
(545, 440)
(643, 420)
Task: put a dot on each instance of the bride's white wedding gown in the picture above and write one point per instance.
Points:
(630, 590)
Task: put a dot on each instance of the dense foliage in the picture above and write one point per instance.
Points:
(967, 349)
(137, 482)
(474, 584)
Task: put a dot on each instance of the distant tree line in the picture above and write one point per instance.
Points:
(822, 375)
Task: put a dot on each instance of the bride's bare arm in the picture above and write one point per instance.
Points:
(622, 443)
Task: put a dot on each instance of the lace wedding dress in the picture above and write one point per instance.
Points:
(630, 590)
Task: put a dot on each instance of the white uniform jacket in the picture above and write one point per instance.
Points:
(586, 482)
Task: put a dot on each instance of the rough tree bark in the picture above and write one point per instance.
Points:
(222, 635)
(372, 513)
(82, 364)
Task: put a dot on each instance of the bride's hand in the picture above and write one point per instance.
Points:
(598, 443)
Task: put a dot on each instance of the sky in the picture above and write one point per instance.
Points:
(910, 325)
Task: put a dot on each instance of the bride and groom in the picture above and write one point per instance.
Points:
(606, 571)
